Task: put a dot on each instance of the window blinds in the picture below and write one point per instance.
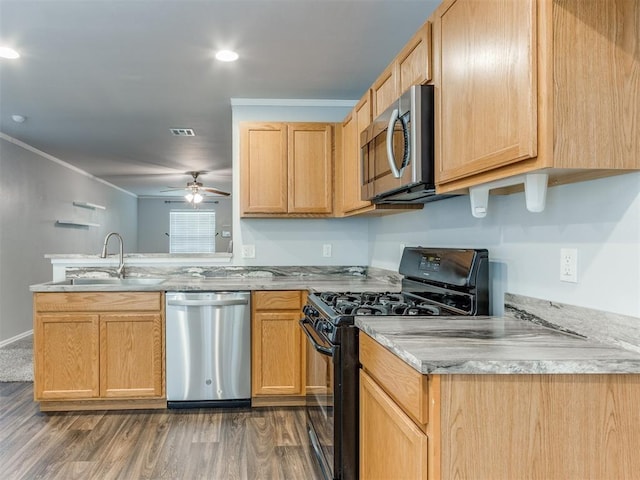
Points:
(192, 231)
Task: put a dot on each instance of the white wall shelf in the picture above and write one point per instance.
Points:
(92, 206)
(74, 223)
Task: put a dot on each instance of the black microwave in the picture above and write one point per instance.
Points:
(397, 151)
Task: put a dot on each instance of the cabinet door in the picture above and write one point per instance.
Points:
(66, 356)
(352, 175)
(263, 164)
(131, 359)
(414, 61)
(487, 85)
(310, 168)
(391, 445)
(385, 89)
(276, 357)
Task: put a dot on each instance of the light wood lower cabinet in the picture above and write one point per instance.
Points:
(131, 355)
(498, 427)
(66, 356)
(95, 350)
(278, 348)
(391, 445)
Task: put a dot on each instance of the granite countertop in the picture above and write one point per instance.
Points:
(356, 279)
(494, 345)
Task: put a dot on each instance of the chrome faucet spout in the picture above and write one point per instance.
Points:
(120, 270)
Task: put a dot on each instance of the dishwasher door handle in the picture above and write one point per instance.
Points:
(206, 303)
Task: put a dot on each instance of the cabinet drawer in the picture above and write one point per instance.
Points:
(405, 385)
(98, 301)
(277, 300)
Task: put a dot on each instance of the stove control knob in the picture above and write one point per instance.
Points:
(310, 312)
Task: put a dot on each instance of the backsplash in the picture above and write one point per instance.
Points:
(605, 327)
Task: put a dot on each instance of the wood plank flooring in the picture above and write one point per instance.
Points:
(258, 443)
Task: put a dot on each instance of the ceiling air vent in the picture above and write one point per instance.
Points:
(183, 132)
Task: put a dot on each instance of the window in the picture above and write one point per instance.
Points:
(192, 231)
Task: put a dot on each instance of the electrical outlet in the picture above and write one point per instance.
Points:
(248, 251)
(569, 265)
(326, 250)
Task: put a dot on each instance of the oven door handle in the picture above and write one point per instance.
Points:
(319, 348)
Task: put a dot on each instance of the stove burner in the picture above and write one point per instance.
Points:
(422, 309)
(422, 303)
(370, 310)
(390, 298)
(345, 306)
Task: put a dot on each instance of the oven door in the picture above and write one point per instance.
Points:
(320, 398)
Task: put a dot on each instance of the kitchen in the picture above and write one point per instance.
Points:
(601, 218)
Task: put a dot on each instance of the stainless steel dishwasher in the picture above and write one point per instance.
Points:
(208, 349)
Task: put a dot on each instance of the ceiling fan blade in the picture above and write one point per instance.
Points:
(214, 190)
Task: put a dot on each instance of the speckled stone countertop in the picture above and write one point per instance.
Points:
(239, 278)
(500, 345)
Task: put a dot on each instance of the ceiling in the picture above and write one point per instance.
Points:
(101, 82)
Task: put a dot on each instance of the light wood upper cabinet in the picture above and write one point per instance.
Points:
(310, 157)
(385, 89)
(412, 66)
(535, 84)
(286, 169)
(263, 163)
(488, 98)
(414, 60)
(277, 352)
(99, 348)
(350, 164)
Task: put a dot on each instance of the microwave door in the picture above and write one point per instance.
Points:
(392, 154)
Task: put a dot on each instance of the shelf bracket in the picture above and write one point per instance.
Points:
(535, 192)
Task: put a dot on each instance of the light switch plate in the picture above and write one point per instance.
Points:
(248, 251)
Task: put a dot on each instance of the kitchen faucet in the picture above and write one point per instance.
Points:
(120, 270)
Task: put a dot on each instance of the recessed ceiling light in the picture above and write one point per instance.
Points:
(8, 52)
(226, 56)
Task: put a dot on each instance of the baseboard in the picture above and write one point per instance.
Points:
(278, 401)
(16, 338)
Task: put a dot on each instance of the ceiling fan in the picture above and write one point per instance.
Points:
(195, 190)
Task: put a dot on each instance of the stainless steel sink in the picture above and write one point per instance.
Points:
(112, 281)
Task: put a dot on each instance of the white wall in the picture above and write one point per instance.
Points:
(293, 241)
(153, 222)
(600, 218)
(36, 191)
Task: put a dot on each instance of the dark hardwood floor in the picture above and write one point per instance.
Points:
(259, 443)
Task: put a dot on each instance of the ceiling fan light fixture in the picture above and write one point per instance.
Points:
(189, 197)
(8, 52)
(197, 198)
(226, 56)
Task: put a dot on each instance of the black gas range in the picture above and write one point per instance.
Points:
(436, 282)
